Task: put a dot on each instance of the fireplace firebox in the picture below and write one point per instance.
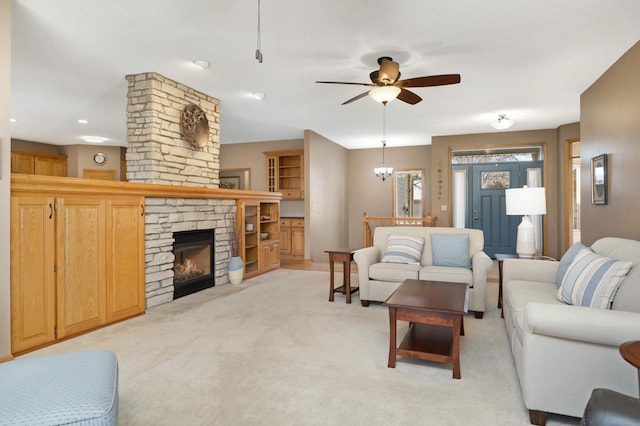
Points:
(194, 264)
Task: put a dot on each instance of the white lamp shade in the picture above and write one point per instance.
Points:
(384, 94)
(525, 201)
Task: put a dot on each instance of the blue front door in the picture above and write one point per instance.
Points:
(488, 207)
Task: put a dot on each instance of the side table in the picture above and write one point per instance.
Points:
(501, 258)
(630, 351)
(344, 255)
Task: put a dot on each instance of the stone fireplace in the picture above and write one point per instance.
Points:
(157, 153)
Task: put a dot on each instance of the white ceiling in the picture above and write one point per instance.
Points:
(528, 59)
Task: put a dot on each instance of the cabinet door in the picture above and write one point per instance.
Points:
(270, 256)
(42, 166)
(59, 167)
(297, 241)
(285, 236)
(22, 163)
(81, 262)
(125, 257)
(32, 272)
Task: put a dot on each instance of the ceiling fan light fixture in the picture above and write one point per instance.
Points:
(384, 94)
(503, 122)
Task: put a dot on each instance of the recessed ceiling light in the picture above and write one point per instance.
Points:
(82, 121)
(94, 139)
(12, 120)
(201, 63)
(257, 95)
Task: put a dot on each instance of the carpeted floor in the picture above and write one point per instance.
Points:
(274, 351)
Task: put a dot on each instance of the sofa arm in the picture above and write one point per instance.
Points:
(579, 323)
(481, 264)
(530, 270)
(364, 258)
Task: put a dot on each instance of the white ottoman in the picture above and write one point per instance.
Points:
(77, 388)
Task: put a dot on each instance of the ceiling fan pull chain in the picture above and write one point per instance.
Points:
(259, 46)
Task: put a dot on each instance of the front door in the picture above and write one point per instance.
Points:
(488, 207)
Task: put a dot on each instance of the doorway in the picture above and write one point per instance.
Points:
(479, 180)
(572, 192)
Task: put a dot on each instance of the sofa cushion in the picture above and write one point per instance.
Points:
(451, 250)
(592, 280)
(403, 249)
(447, 274)
(522, 292)
(394, 272)
(567, 258)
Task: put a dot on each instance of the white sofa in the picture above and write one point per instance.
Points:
(377, 280)
(562, 352)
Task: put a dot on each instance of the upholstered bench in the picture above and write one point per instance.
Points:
(76, 388)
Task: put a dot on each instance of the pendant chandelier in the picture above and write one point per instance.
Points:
(383, 171)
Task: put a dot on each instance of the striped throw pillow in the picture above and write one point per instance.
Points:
(592, 280)
(403, 249)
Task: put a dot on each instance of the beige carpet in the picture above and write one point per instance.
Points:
(274, 351)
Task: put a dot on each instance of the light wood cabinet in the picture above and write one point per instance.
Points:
(269, 255)
(256, 217)
(285, 173)
(292, 238)
(35, 163)
(33, 307)
(77, 263)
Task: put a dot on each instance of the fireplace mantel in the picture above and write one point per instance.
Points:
(67, 185)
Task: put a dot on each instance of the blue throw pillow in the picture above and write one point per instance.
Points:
(451, 250)
(566, 260)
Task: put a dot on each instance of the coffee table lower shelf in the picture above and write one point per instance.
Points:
(428, 342)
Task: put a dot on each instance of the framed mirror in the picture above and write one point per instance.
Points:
(408, 193)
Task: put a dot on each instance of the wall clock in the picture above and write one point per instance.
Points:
(99, 158)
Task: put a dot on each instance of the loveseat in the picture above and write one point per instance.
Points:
(563, 351)
(449, 260)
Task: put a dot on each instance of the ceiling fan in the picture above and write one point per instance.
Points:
(386, 84)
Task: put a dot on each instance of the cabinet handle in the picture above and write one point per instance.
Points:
(141, 209)
(50, 211)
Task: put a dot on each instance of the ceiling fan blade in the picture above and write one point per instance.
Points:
(432, 80)
(344, 82)
(389, 71)
(408, 96)
(355, 98)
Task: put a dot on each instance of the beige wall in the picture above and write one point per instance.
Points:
(326, 190)
(29, 146)
(80, 157)
(609, 125)
(370, 194)
(5, 175)
(440, 158)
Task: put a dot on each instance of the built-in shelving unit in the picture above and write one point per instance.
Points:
(259, 222)
(285, 173)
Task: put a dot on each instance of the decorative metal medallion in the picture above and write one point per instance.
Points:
(194, 126)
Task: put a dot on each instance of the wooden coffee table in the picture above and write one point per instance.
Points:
(435, 310)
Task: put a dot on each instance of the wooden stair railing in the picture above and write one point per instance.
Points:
(370, 223)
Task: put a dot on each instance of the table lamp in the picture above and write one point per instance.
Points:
(525, 201)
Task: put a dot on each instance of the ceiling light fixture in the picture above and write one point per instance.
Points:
(259, 45)
(503, 122)
(82, 121)
(384, 94)
(257, 95)
(383, 171)
(201, 63)
(94, 139)
(12, 120)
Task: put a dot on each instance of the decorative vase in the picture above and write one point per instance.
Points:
(236, 270)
